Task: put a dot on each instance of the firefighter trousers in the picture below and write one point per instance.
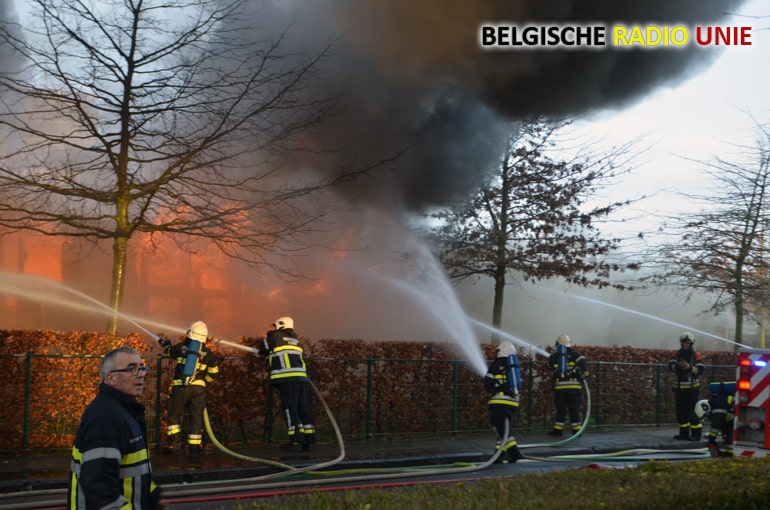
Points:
(191, 398)
(684, 401)
(567, 400)
(498, 416)
(295, 402)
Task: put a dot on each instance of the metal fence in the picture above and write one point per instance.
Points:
(45, 394)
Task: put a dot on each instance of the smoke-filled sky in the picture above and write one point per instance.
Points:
(412, 75)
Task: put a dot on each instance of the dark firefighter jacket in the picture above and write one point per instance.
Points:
(497, 386)
(686, 378)
(577, 370)
(206, 369)
(284, 356)
(110, 467)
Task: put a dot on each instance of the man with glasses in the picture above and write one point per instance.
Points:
(110, 465)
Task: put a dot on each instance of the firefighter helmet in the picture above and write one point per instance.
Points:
(284, 323)
(505, 349)
(687, 337)
(702, 408)
(198, 331)
(563, 340)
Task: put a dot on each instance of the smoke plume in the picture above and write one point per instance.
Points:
(412, 75)
(413, 81)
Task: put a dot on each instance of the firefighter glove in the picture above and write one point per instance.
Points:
(164, 342)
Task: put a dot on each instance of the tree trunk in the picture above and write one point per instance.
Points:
(497, 306)
(119, 258)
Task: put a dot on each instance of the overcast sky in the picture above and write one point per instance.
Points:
(702, 117)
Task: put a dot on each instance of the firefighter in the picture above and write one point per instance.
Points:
(288, 373)
(720, 409)
(687, 365)
(503, 383)
(570, 368)
(196, 366)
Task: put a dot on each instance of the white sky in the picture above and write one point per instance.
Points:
(696, 119)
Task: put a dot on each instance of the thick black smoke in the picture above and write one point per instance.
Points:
(412, 74)
(7, 15)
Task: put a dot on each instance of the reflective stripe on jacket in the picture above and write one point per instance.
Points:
(686, 379)
(110, 466)
(206, 368)
(285, 356)
(497, 386)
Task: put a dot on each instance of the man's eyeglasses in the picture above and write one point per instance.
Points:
(133, 370)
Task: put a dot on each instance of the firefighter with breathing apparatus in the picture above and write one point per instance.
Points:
(503, 383)
(720, 409)
(288, 373)
(570, 368)
(196, 366)
(687, 365)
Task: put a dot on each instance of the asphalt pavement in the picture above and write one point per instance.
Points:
(32, 471)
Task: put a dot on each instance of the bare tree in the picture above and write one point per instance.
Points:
(720, 250)
(142, 116)
(532, 219)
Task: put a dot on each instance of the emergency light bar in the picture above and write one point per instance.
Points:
(760, 363)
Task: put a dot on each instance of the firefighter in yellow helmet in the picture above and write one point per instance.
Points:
(503, 384)
(288, 373)
(687, 365)
(196, 366)
(570, 368)
(720, 410)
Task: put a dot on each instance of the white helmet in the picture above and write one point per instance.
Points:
(687, 337)
(563, 340)
(284, 323)
(702, 408)
(198, 331)
(505, 349)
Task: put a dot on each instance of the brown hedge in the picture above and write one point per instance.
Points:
(372, 388)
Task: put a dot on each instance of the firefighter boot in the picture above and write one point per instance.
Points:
(171, 447)
(695, 434)
(556, 432)
(195, 453)
(684, 434)
(515, 454)
(292, 447)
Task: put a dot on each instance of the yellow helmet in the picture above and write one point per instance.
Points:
(563, 340)
(284, 323)
(702, 408)
(198, 331)
(505, 349)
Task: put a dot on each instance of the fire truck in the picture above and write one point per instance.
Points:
(752, 404)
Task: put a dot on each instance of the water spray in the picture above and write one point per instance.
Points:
(510, 337)
(648, 316)
(13, 284)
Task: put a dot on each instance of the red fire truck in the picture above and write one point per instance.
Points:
(752, 404)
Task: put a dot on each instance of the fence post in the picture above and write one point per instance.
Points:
(368, 427)
(597, 397)
(454, 397)
(27, 399)
(530, 397)
(269, 417)
(658, 396)
(158, 401)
